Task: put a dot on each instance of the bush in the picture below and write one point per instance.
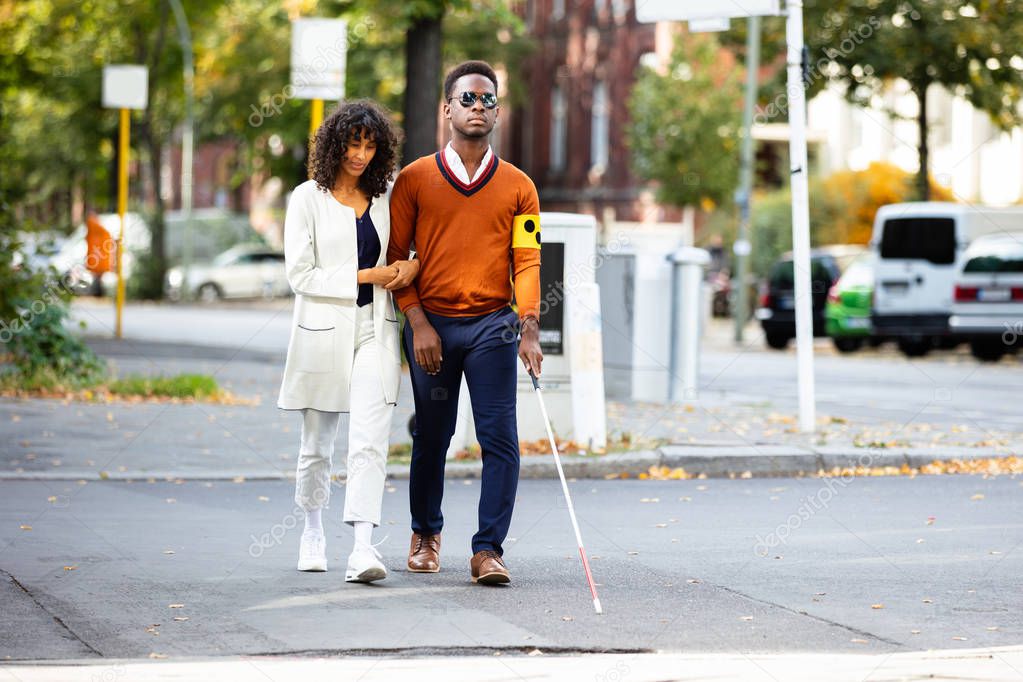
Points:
(34, 309)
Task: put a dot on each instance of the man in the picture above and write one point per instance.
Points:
(474, 220)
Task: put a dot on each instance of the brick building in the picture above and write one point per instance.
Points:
(569, 135)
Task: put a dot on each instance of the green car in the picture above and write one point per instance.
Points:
(847, 312)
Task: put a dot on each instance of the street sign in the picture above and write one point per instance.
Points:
(709, 25)
(319, 51)
(125, 86)
(649, 11)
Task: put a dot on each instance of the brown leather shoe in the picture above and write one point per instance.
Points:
(424, 553)
(488, 568)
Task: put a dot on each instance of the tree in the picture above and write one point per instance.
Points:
(973, 48)
(685, 124)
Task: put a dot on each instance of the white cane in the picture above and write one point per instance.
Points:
(568, 497)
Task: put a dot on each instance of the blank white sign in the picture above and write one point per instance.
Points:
(709, 25)
(125, 86)
(319, 52)
(648, 11)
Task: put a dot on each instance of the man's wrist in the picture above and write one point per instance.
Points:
(529, 325)
(416, 317)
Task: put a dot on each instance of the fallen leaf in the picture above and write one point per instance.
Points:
(175, 606)
(567, 618)
(914, 632)
(70, 568)
(746, 618)
(264, 498)
(153, 654)
(180, 618)
(26, 527)
(877, 606)
(168, 551)
(959, 639)
(978, 496)
(928, 601)
(858, 641)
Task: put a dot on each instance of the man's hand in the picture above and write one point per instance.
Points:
(529, 346)
(407, 271)
(426, 344)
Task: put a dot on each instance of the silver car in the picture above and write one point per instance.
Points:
(239, 272)
(987, 306)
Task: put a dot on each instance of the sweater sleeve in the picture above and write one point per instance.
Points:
(526, 252)
(404, 210)
(304, 275)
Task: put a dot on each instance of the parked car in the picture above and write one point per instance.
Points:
(777, 311)
(920, 249)
(243, 271)
(71, 254)
(847, 313)
(988, 296)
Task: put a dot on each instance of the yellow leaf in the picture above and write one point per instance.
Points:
(877, 606)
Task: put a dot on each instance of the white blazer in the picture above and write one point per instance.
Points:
(321, 257)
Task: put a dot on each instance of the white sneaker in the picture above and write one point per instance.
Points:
(312, 554)
(364, 565)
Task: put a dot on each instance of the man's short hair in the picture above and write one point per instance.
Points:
(465, 69)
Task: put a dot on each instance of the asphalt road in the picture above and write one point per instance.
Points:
(874, 565)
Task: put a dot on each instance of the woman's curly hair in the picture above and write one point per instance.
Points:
(331, 144)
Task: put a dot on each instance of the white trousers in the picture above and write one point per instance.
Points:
(369, 428)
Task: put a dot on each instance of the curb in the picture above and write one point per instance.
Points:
(719, 461)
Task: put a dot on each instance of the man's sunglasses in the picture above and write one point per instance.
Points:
(467, 99)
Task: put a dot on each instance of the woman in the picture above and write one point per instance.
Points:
(343, 354)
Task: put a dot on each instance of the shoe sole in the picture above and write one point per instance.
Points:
(492, 579)
(313, 568)
(424, 570)
(367, 576)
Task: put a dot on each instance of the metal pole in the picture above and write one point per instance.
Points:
(741, 248)
(122, 208)
(800, 216)
(187, 137)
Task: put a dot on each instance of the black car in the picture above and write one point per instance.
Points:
(777, 311)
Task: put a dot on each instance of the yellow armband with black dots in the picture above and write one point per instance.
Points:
(526, 231)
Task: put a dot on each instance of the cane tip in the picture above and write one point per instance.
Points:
(597, 607)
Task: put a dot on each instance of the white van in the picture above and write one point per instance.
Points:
(920, 247)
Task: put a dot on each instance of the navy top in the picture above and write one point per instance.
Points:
(369, 252)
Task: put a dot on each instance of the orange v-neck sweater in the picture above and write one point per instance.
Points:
(473, 241)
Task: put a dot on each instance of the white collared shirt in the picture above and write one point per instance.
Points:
(454, 162)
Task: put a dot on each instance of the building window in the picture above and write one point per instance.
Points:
(600, 127)
(559, 129)
(558, 10)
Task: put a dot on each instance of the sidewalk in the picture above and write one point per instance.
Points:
(978, 665)
(743, 423)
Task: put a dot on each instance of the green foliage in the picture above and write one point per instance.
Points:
(684, 132)
(41, 351)
(178, 386)
(974, 49)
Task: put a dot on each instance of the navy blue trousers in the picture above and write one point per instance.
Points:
(485, 349)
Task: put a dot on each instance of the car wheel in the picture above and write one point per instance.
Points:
(915, 348)
(210, 293)
(987, 350)
(846, 344)
(777, 341)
